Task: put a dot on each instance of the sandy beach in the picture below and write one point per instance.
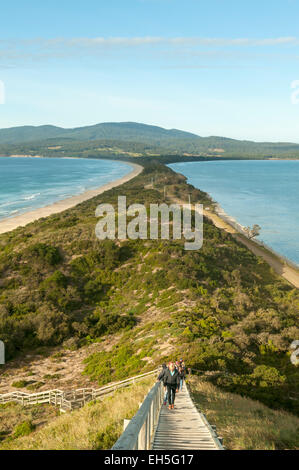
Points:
(8, 224)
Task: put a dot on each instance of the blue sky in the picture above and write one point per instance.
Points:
(222, 67)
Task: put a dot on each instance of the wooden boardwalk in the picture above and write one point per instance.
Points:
(71, 399)
(184, 427)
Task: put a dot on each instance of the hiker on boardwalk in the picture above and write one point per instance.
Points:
(161, 377)
(182, 375)
(171, 379)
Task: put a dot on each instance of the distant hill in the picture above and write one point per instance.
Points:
(22, 134)
(147, 137)
(128, 131)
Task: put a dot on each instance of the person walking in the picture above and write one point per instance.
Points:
(182, 375)
(171, 379)
(161, 377)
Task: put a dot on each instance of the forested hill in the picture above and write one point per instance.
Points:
(127, 131)
(129, 136)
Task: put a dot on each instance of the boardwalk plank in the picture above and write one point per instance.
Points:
(183, 427)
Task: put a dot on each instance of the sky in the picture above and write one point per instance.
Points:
(217, 67)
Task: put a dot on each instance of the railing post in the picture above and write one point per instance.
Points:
(152, 418)
(149, 430)
(141, 438)
(145, 433)
(156, 405)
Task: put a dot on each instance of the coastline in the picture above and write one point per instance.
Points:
(281, 265)
(11, 223)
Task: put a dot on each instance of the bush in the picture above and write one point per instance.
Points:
(52, 327)
(24, 429)
(106, 439)
(267, 376)
(101, 323)
(46, 253)
(20, 384)
(57, 279)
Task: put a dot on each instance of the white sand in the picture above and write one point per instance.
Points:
(8, 224)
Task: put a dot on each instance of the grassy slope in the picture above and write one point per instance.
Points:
(96, 426)
(245, 424)
(221, 308)
(13, 416)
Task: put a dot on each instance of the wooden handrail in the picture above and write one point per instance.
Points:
(139, 433)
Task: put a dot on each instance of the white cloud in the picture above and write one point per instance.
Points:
(174, 41)
(41, 49)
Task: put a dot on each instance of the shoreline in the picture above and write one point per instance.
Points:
(240, 229)
(281, 264)
(11, 223)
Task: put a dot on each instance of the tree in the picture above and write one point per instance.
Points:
(252, 232)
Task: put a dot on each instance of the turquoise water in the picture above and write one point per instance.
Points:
(260, 192)
(31, 183)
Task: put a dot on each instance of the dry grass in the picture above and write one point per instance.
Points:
(244, 423)
(96, 426)
(12, 415)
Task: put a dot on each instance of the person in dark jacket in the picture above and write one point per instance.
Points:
(182, 375)
(171, 379)
(161, 377)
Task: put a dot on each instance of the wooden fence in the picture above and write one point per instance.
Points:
(69, 400)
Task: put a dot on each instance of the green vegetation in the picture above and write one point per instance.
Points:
(129, 139)
(221, 308)
(24, 429)
(20, 384)
(243, 423)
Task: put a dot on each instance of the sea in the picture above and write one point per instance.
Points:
(31, 183)
(263, 192)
